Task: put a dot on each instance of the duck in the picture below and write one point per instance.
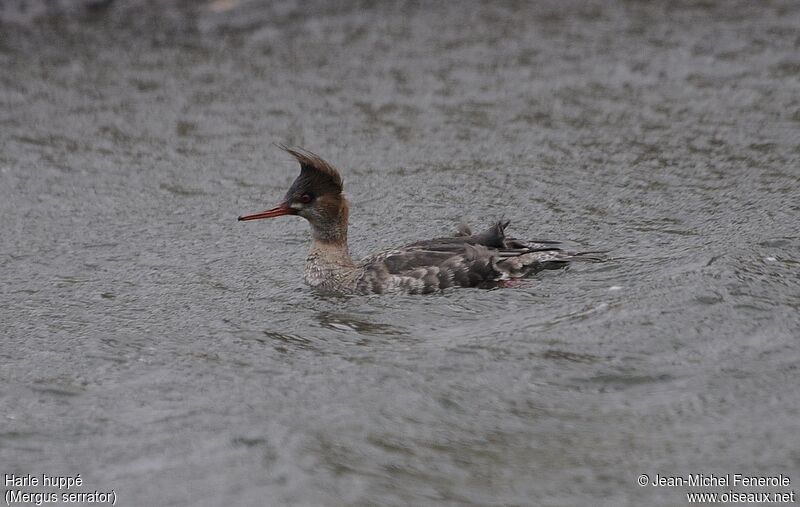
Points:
(489, 258)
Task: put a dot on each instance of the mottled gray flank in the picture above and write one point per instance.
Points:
(158, 347)
(469, 261)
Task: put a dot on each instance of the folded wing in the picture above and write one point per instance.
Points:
(466, 260)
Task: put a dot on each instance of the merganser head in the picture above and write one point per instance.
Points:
(315, 195)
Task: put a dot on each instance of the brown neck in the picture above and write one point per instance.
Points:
(330, 234)
(329, 246)
(331, 227)
(330, 255)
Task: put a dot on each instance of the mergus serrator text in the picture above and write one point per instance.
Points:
(464, 260)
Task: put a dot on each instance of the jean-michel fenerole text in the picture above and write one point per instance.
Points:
(726, 480)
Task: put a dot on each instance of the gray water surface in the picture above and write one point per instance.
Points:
(156, 346)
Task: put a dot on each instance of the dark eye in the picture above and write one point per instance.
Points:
(305, 198)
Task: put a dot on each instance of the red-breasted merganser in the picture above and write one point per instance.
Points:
(464, 260)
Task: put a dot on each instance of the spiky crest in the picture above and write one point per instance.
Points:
(316, 172)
